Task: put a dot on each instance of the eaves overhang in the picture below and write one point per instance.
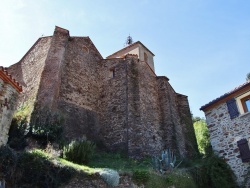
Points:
(6, 77)
(233, 93)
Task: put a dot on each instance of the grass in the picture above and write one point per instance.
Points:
(118, 162)
(64, 163)
(36, 168)
(178, 177)
(31, 167)
(111, 177)
(79, 168)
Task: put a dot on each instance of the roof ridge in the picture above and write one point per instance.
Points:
(138, 42)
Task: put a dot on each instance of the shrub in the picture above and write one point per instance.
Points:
(31, 169)
(213, 172)
(141, 176)
(17, 133)
(8, 163)
(180, 179)
(111, 177)
(219, 173)
(79, 151)
(47, 126)
(199, 174)
(38, 171)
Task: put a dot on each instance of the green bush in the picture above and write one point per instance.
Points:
(17, 133)
(220, 173)
(38, 171)
(213, 172)
(31, 169)
(8, 163)
(47, 126)
(199, 174)
(202, 136)
(141, 176)
(79, 151)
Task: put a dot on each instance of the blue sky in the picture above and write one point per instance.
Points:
(202, 46)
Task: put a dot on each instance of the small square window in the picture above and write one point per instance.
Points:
(246, 103)
(243, 103)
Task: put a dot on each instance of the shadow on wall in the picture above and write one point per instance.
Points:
(79, 122)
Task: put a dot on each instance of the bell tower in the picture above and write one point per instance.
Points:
(137, 48)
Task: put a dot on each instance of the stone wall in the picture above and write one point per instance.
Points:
(224, 134)
(189, 142)
(120, 102)
(113, 104)
(143, 109)
(80, 83)
(8, 99)
(79, 90)
(129, 106)
(28, 72)
(175, 120)
(50, 81)
(141, 113)
(168, 114)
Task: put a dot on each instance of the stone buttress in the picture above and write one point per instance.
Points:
(118, 102)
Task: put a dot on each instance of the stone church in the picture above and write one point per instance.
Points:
(118, 101)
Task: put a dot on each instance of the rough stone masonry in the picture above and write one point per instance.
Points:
(118, 101)
(9, 90)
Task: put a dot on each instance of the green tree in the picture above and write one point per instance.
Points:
(195, 119)
(202, 135)
(248, 76)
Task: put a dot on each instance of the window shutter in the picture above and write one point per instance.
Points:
(232, 108)
(244, 150)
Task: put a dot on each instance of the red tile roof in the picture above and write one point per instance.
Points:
(6, 77)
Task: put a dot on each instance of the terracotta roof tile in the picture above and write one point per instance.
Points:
(8, 78)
